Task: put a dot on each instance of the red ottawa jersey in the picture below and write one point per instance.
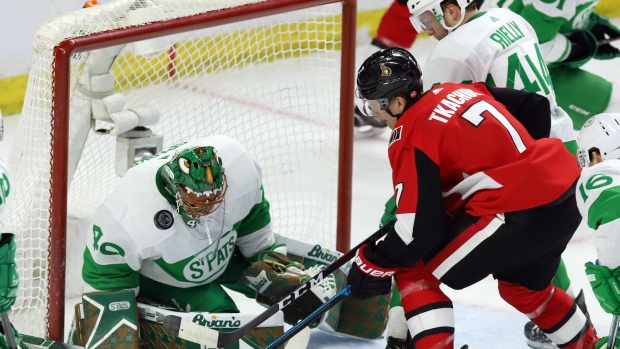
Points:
(458, 149)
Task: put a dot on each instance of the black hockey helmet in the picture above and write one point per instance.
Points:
(389, 73)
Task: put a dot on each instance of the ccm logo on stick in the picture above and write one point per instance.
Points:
(301, 290)
(370, 271)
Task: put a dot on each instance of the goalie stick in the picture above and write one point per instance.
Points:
(607, 41)
(8, 331)
(299, 341)
(36, 343)
(613, 330)
(186, 329)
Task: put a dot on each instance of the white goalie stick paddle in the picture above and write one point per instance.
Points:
(186, 329)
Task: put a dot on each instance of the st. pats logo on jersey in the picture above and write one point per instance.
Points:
(396, 135)
(385, 71)
(210, 261)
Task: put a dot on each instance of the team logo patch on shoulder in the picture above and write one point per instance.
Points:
(437, 90)
(396, 135)
(164, 219)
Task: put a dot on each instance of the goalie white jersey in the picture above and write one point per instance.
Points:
(500, 48)
(137, 230)
(598, 195)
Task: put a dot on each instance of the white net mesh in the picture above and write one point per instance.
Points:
(272, 83)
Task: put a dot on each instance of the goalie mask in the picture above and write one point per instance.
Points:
(425, 12)
(195, 177)
(600, 132)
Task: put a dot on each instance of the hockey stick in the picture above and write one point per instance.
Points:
(318, 312)
(8, 331)
(607, 41)
(611, 340)
(186, 329)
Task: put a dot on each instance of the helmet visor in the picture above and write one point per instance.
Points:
(371, 107)
(425, 20)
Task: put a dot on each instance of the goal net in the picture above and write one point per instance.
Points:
(129, 76)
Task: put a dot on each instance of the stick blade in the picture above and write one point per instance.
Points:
(189, 331)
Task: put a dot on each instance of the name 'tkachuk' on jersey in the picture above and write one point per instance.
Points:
(457, 148)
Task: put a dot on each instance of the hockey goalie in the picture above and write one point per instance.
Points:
(180, 227)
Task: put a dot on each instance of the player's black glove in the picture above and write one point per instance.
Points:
(583, 46)
(602, 29)
(368, 279)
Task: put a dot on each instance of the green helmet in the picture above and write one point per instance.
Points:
(195, 176)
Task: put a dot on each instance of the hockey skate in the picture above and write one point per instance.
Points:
(367, 126)
(396, 343)
(537, 339)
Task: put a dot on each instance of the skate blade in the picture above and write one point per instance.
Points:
(538, 345)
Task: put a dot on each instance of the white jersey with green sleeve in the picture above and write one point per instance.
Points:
(550, 19)
(137, 230)
(598, 200)
(500, 48)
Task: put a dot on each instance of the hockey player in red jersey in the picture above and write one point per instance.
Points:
(395, 30)
(477, 195)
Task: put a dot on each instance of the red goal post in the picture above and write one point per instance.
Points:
(54, 210)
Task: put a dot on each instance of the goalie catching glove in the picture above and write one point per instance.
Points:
(275, 276)
(606, 286)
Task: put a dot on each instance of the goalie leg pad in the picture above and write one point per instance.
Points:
(110, 318)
